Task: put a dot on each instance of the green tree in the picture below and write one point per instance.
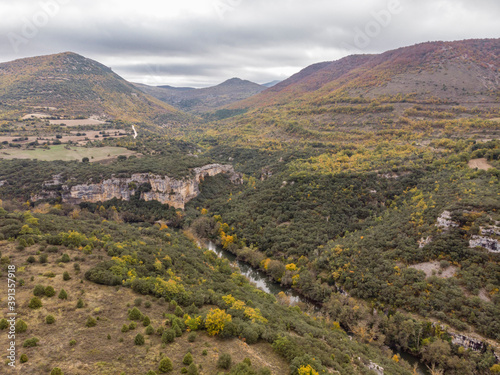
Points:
(80, 303)
(168, 336)
(66, 276)
(150, 330)
(192, 369)
(135, 314)
(146, 321)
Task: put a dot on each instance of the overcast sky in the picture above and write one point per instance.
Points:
(204, 42)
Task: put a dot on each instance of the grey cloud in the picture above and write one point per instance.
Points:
(204, 42)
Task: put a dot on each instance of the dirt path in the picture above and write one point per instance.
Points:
(479, 164)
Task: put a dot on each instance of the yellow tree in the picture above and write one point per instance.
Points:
(216, 320)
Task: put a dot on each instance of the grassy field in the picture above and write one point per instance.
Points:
(59, 152)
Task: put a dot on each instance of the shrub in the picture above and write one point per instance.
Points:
(177, 330)
(139, 339)
(224, 361)
(56, 371)
(35, 303)
(39, 290)
(29, 343)
(50, 291)
(63, 294)
(49, 319)
(204, 352)
(168, 336)
(165, 365)
(43, 258)
(72, 342)
(65, 258)
(151, 372)
(91, 322)
(188, 359)
(24, 358)
(178, 311)
(192, 369)
(134, 314)
(138, 302)
(66, 276)
(132, 325)
(76, 266)
(192, 337)
(150, 330)
(80, 303)
(146, 321)
(52, 249)
(21, 326)
(147, 304)
(3, 324)
(125, 328)
(31, 259)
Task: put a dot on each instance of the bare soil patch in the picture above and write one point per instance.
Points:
(480, 163)
(433, 268)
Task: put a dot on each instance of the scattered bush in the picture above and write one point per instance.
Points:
(138, 302)
(35, 303)
(29, 343)
(21, 326)
(50, 291)
(147, 304)
(125, 328)
(63, 294)
(192, 369)
(66, 276)
(24, 358)
(91, 322)
(165, 365)
(178, 311)
(150, 330)
(72, 342)
(139, 339)
(132, 325)
(80, 303)
(49, 319)
(168, 336)
(146, 321)
(188, 359)
(39, 290)
(56, 371)
(134, 314)
(192, 337)
(31, 259)
(3, 324)
(65, 258)
(224, 361)
(204, 352)
(43, 258)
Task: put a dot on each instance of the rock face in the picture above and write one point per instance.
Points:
(166, 190)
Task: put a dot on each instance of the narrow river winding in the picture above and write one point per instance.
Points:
(263, 282)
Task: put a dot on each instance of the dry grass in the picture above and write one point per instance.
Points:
(93, 352)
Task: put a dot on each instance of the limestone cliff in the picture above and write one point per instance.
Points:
(164, 189)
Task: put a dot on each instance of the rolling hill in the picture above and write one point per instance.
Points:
(73, 85)
(204, 99)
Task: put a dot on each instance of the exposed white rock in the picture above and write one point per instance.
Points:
(164, 189)
(444, 221)
(488, 243)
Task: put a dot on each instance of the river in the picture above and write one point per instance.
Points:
(263, 282)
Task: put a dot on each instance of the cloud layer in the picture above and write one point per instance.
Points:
(203, 42)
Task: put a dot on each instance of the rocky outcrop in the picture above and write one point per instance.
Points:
(167, 190)
(490, 244)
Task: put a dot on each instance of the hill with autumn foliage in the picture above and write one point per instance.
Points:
(71, 85)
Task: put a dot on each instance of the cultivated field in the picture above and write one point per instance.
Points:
(62, 152)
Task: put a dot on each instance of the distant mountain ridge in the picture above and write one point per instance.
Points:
(204, 99)
(78, 86)
(469, 70)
